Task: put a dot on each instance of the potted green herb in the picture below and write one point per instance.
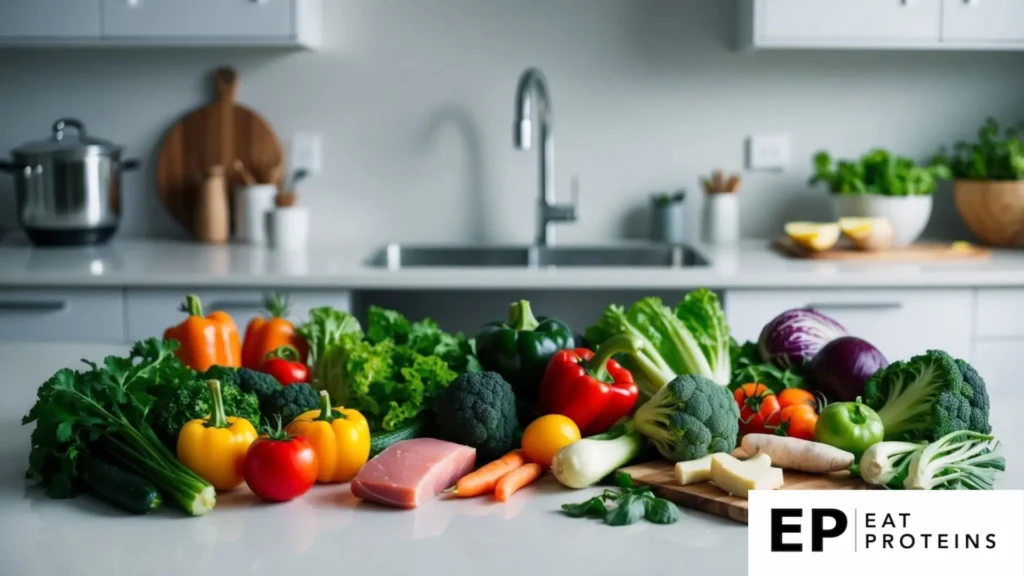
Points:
(880, 184)
(988, 183)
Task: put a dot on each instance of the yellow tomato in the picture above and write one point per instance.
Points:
(546, 435)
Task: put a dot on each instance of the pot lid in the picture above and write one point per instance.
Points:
(68, 135)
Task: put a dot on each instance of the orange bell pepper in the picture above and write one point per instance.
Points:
(206, 341)
(265, 335)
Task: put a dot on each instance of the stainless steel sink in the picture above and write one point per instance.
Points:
(395, 256)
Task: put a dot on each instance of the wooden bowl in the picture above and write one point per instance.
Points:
(992, 210)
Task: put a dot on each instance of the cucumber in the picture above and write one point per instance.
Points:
(119, 487)
(380, 441)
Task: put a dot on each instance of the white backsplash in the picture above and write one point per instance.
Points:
(414, 103)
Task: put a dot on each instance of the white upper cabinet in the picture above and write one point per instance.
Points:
(290, 23)
(208, 21)
(56, 20)
(817, 23)
(882, 24)
(983, 22)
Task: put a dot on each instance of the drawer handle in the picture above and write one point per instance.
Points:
(234, 304)
(33, 305)
(855, 306)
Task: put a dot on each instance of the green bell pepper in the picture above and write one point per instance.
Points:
(850, 426)
(520, 348)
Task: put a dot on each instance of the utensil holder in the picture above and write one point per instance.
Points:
(288, 228)
(667, 218)
(251, 205)
(722, 219)
(212, 214)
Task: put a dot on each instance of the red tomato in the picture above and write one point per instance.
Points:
(280, 467)
(759, 408)
(798, 421)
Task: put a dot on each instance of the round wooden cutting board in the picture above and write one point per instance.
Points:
(216, 134)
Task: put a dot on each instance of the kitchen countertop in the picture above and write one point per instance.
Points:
(165, 263)
(329, 531)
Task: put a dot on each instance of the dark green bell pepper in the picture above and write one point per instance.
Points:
(520, 348)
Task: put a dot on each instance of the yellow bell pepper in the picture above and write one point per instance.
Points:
(214, 447)
(340, 437)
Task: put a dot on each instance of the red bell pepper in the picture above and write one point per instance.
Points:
(285, 365)
(590, 388)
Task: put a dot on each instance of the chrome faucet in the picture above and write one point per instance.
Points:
(531, 93)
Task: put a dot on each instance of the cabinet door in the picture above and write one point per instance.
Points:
(150, 312)
(998, 362)
(847, 22)
(983, 21)
(198, 19)
(900, 323)
(57, 315)
(49, 19)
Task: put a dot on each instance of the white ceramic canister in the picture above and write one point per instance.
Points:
(251, 205)
(722, 219)
(288, 227)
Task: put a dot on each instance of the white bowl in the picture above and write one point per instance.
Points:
(908, 214)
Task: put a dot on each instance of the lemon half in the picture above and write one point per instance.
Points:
(817, 236)
(868, 233)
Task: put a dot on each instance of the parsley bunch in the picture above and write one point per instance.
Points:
(628, 506)
(103, 411)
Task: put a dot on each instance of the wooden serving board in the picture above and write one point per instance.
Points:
(707, 497)
(913, 253)
(216, 134)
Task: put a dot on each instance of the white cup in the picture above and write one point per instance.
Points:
(251, 205)
(288, 228)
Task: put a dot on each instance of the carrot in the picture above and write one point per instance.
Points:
(484, 479)
(516, 479)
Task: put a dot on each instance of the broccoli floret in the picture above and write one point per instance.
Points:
(263, 385)
(978, 398)
(226, 374)
(927, 397)
(479, 410)
(182, 402)
(689, 418)
(288, 402)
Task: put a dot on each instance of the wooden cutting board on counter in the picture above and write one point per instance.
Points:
(707, 497)
(216, 134)
(913, 253)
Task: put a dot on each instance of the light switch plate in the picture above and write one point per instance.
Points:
(305, 152)
(768, 152)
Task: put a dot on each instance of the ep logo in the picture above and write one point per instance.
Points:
(823, 523)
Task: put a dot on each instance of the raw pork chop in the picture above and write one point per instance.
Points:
(411, 472)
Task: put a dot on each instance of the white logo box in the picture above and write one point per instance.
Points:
(900, 532)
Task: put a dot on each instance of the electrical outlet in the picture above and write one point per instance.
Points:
(306, 152)
(768, 152)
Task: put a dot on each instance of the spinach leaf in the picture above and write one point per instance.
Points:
(629, 510)
(593, 508)
(661, 511)
(630, 505)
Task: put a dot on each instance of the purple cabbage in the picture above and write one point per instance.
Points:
(842, 368)
(794, 337)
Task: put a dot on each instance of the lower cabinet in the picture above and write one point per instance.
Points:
(150, 312)
(900, 323)
(62, 315)
(998, 362)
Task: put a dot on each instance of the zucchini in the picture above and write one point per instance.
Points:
(119, 487)
(380, 441)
